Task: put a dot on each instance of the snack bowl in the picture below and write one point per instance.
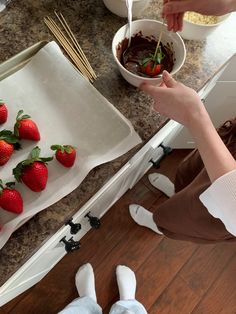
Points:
(148, 29)
(119, 7)
(195, 28)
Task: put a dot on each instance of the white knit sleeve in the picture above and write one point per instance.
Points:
(220, 200)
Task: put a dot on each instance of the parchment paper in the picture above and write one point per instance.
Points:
(67, 110)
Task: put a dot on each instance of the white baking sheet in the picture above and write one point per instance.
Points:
(67, 110)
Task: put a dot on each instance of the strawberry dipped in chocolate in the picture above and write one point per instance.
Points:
(26, 128)
(8, 143)
(146, 57)
(10, 198)
(65, 154)
(33, 172)
(3, 112)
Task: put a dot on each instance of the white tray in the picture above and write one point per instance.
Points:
(67, 110)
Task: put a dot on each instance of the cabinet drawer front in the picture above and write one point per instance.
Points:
(52, 252)
(26, 277)
(152, 151)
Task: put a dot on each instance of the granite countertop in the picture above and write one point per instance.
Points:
(21, 25)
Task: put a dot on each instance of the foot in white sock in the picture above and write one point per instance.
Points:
(85, 282)
(162, 183)
(126, 282)
(143, 217)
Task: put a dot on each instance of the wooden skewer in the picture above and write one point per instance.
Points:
(84, 60)
(159, 40)
(74, 40)
(68, 47)
(71, 46)
(62, 40)
(64, 37)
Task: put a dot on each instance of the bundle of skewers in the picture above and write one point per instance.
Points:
(67, 40)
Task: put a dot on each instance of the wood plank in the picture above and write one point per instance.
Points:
(10, 305)
(206, 264)
(132, 252)
(160, 268)
(221, 298)
(177, 298)
(95, 246)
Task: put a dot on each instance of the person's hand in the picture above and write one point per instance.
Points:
(174, 10)
(176, 101)
(174, 20)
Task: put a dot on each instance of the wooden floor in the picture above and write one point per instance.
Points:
(172, 276)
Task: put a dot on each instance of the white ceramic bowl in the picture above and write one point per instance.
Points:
(149, 28)
(119, 7)
(193, 31)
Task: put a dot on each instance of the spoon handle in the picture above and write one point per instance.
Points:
(129, 4)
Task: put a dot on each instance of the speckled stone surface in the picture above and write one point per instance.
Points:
(21, 25)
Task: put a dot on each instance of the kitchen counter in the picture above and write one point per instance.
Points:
(21, 25)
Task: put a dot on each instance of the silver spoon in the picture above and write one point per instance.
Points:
(129, 4)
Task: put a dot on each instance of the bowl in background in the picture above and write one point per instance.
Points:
(149, 28)
(198, 31)
(119, 7)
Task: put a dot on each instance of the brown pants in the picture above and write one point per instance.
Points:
(183, 216)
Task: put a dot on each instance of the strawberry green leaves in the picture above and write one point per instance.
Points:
(9, 137)
(151, 65)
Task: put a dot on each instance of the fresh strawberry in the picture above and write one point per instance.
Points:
(8, 142)
(33, 172)
(25, 128)
(10, 199)
(3, 112)
(65, 154)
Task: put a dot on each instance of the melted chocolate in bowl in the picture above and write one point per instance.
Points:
(140, 48)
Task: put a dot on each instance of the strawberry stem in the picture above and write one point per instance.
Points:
(63, 148)
(10, 138)
(8, 185)
(19, 116)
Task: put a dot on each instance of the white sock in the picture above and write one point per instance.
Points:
(162, 183)
(126, 282)
(85, 282)
(143, 217)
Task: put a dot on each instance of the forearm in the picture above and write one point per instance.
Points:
(215, 155)
(182, 104)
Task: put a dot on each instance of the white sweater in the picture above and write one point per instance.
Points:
(220, 200)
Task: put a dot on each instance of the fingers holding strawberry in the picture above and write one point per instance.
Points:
(3, 112)
(65, 154)
(33, 172)
(26, 128)
(10, 198)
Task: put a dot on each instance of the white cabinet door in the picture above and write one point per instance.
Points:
(31, 273)
(53, 250)
(152, 151)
